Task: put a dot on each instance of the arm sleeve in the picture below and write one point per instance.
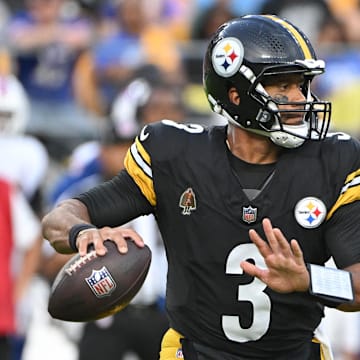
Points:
(342, 235)
(115, 202)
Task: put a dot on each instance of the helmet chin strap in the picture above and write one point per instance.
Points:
(288, 136)
(288, 140)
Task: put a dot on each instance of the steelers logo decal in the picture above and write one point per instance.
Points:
(310, 212)
(227, 56)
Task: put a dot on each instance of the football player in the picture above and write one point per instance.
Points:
(249, 212)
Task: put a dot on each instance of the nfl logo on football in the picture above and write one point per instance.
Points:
(101, 282)
(249, 214)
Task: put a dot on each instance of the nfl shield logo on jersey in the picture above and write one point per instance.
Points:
(101, 282)
(249, 214)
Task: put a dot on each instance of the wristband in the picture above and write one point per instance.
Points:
(330, 286)
(74, 232)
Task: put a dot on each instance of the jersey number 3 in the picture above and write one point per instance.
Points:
(252, 292)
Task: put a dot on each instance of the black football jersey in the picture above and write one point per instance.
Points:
(204, 217)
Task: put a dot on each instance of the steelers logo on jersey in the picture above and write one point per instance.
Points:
(227, 56)
(310, 212)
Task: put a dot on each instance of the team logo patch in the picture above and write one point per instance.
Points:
(187, 201)
(101, 282)
(249, 214)
(227, 56)
(310, 212)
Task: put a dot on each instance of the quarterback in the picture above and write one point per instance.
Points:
(249, 212)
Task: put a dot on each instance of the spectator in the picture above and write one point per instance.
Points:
(136, 42)
(23, 159)
(20, 243)
(23, 163)
(207, 21)
(146, 99)
(45, 44)
(176, 15)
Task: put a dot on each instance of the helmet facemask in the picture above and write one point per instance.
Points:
(273, 112)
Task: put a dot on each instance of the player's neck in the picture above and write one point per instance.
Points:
(252, 148)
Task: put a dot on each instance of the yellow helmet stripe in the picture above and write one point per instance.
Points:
(138, 165)
(295, 33)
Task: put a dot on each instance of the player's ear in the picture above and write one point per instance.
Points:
(234, 96)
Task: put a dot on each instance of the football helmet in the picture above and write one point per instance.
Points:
(14, 106)
(243, 53)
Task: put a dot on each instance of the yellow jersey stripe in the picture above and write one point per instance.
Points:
(139, 159)
(349, 193)
(351, 177)
(304, 47)
(144, 154)
(140, 171)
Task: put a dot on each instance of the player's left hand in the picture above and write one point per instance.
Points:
(286, 270)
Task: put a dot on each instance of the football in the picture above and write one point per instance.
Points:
(91, 287)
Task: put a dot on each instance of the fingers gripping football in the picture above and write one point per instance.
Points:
(96, 237)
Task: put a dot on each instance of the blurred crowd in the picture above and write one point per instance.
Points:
(78, 80)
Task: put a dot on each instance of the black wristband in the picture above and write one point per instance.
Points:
(74, 232)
